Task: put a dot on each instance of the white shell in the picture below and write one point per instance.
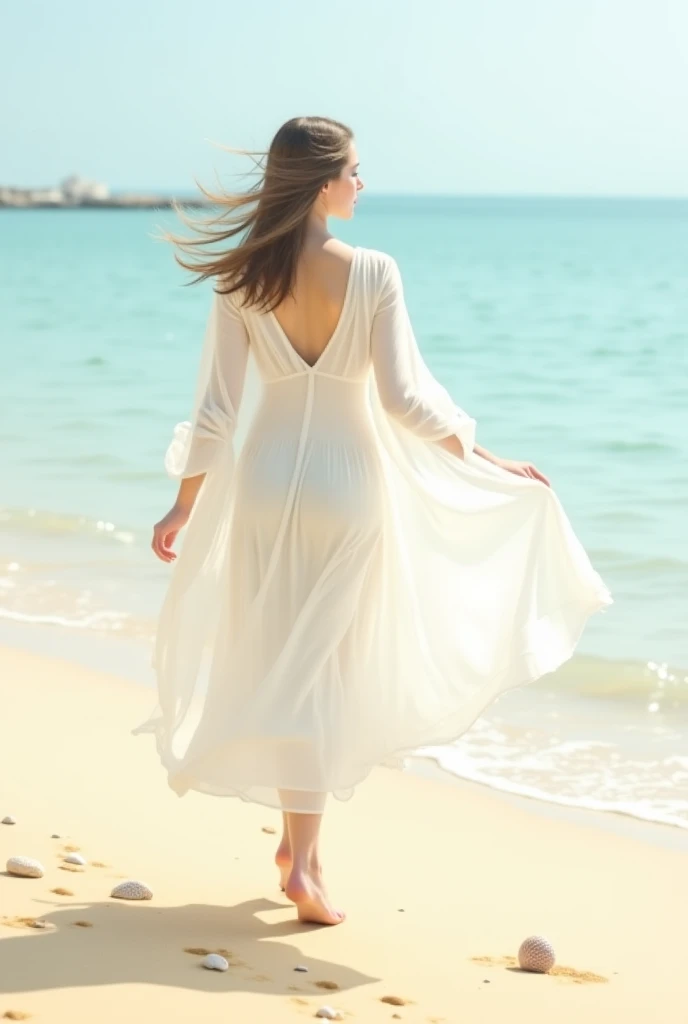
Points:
(536, 954)
(75, 858)
(26, 867)
(329, 1013)
(132, 890)
(9, 819)
(215, 962)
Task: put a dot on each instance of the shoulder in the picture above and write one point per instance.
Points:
(382, 269)
(377, 258)
(231, 303)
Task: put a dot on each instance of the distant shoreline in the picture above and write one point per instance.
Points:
(113, 203)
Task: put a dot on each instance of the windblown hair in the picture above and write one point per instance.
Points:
(304, 155)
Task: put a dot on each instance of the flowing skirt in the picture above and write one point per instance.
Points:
(363, 609)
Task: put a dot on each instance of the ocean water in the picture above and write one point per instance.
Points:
(561, 325)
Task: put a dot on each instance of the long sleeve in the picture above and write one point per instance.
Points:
(199, 443)
(408, 391)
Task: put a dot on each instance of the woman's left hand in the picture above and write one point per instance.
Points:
(523, 469)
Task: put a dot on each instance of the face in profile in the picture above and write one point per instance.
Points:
(340, 195)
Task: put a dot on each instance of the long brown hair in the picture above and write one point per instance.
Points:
(305, 153)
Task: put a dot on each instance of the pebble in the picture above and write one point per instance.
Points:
(56, 835)
(329, 1013)
(75, 858)
(27, 867)
(300, 967)
(269, 829)
(215, 962)
(132, 890)
(9, 819)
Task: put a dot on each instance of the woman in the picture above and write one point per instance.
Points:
(358, 578)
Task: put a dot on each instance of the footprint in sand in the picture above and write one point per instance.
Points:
(23, 922)
(99, 864)
(234, 961)
(70, 848)
(70, 867)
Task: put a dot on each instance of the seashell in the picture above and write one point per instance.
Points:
(74, 858)
(329, 1013)
(536, 954)
(9, 819)
(27, 867)
(132, 890)
(214, 962)
(269, 829)
(301, 968)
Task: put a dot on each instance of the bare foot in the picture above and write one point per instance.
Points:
(307, 891)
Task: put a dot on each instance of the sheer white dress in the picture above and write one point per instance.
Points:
(347, 591)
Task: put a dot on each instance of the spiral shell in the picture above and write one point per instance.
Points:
(132, 890)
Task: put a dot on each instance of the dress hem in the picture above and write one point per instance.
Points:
(398, 758)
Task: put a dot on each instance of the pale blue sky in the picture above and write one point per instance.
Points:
(444, 96)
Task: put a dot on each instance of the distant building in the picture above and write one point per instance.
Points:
(76, 189)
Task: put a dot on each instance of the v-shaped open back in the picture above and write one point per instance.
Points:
(340, 320)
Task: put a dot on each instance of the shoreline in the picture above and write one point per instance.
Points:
(129, 667)
(440, 883)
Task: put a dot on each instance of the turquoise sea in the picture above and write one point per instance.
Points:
(560, 325)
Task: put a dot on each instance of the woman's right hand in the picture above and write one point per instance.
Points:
(165, 532)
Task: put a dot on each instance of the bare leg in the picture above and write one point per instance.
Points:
(304, 885)
(283, 855)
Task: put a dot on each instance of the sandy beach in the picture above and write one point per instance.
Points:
(441, 882)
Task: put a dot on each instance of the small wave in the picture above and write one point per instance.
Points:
(109, 621)
(655, 684)
(635, 446)
(641, 810)
(30, 520)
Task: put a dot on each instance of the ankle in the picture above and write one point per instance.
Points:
(308, 864)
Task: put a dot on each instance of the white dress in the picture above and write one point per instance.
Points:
(347, 591)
